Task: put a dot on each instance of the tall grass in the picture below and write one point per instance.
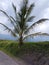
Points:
(27, 48)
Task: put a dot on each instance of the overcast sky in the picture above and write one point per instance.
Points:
(41, 10)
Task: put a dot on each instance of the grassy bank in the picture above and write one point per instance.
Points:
(12, 47)
(28, 51)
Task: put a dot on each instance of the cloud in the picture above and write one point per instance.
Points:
(41, 10)
(4, 6)
(44, 27)
(46, 13)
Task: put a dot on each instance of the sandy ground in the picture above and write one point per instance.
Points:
(6, 60)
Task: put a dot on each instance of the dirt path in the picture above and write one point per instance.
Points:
(6, 60)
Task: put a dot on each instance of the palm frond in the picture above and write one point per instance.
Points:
(26, 2)
(38, 22)
(44, 34)
(15, 24)
(23, 9)
(29, 10)
(34, 24)
(14, 8)
(30, 19)
(16, 29)
(4, 13)
(12, 20)
(15, 11)
(36, 34)
(9, 30)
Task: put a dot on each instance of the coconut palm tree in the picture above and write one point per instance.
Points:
(20, 22)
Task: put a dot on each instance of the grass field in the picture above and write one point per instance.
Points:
(12, 47)
(27, 51)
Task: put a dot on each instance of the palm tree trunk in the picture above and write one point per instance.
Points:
(20, 41)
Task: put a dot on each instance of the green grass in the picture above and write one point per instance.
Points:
(11, 47)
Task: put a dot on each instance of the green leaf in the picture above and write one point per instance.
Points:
(34, 24)
(13, 19)
(14, 7)
(30, 19)
(29, 10)
(38, 22)
(9, 30)
(36, 34)
(4, 13)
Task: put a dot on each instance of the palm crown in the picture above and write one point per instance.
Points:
(20, 22)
